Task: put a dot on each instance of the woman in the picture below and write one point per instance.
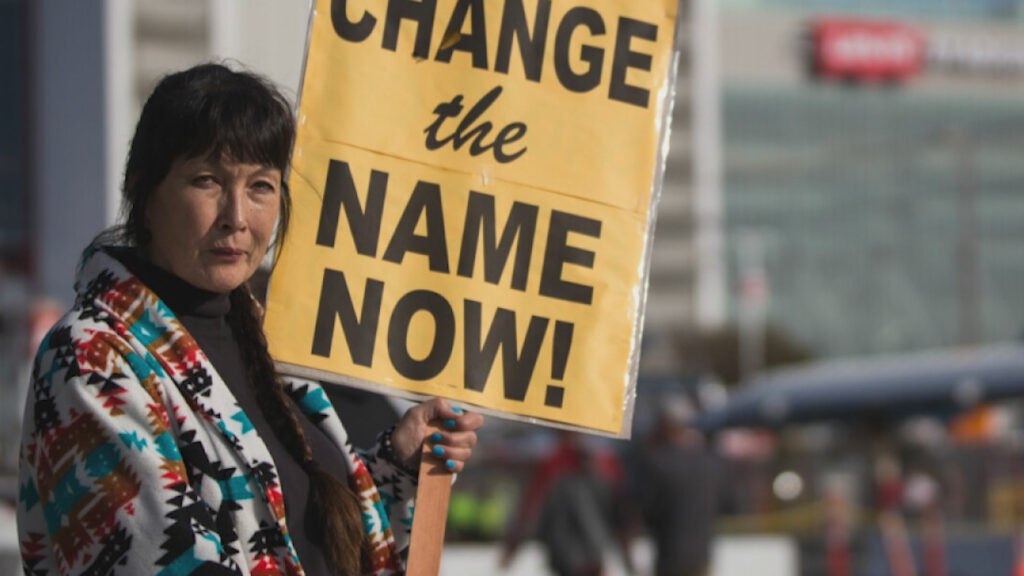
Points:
(158, 437)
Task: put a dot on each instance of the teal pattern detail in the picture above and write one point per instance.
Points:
(55, 368)
(166, 447)
(368, 524)
(291, 548)
(382, 513)
(146, 330)
(163, 311)
(224, 430)
(101, 460)
(314, 401)
(235, 488)
(139, 366)
(132, 440)
(212, 538)
(242, 419)
(65, 494)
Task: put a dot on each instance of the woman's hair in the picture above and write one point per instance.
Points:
(342, 538)
(212, 111)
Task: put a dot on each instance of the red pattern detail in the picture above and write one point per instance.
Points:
(73, 537)
(30, 548)
(124, 294)
(95, 352)
(183, 353)
(121, 330)
(158, 420)
(174, 473)
(276, 500)
(265, 565)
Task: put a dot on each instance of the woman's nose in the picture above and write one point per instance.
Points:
(232, 210)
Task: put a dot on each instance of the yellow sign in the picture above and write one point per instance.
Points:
(472, 184)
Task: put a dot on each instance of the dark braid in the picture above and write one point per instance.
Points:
(337, 508)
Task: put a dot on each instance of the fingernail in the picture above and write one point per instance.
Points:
(438, 451)
(435, 437)
(450, 464)
(449, 423)
(456, 409)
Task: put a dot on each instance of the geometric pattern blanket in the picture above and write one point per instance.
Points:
(137, 459)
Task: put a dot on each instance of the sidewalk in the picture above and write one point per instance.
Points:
(731, 556)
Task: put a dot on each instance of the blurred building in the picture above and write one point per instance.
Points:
(686, 287)
(872, 169)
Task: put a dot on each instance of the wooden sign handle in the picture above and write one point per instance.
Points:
(430, 516)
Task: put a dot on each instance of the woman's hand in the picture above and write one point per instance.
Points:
(452, 445)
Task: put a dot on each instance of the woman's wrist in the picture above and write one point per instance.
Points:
(387, 451)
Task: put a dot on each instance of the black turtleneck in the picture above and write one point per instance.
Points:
(205, 316)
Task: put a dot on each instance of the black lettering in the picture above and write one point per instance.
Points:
(444, 335)
(336, 302)
(531, 49)
(443, 111)
(422, 13)
(625, 58)
(517, 367)
(347, 29)
(557, 253)
(521, 225)
(425, 201)
(467, 132)
(464, 133)
(475, 43)
(508, 135)
(588, 80)
(364, 224)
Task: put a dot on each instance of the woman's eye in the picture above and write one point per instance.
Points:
(264, 186)
(204, 181)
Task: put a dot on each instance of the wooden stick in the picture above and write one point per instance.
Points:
(429, 516)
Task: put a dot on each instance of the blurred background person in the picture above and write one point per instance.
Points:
(577, 507)
(675, 484)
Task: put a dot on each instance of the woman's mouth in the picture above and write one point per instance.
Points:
(228, 253)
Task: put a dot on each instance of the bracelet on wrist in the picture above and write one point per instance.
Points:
(387, 450)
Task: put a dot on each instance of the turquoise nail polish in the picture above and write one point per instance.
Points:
(449, 423)
(456, 409)
(435, 437)
(450, 464)
(438, 451)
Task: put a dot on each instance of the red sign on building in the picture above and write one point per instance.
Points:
(868, 50)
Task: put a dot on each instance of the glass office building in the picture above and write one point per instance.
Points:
(886, 200)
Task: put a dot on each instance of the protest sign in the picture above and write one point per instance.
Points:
(473, 185)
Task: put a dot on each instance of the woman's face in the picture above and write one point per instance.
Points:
(212, 220)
